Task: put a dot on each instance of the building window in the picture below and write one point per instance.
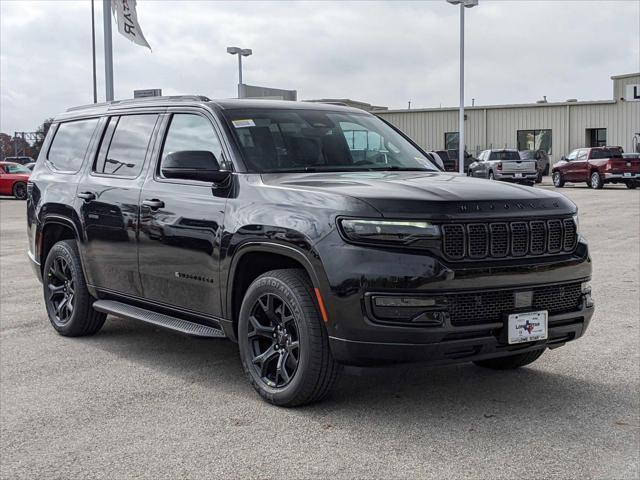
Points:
(451, 140)
(596, 137)
(535, 140)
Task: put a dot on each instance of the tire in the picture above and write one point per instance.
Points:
(491, 175)
(528, 184)
(512, 361)
(20, 190)
(546, 170)
(558, 181)
(63, 278)
(632, 185)
(596, 181)
(539, 178)
(308, 371)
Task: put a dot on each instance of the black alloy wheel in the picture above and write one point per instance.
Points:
(61, 290)
(274, 340)
(20, 190)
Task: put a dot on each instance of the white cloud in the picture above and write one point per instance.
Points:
(381, 52)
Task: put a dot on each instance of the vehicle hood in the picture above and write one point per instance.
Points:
(430, 194)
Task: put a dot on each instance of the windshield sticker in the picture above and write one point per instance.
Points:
(243, 123)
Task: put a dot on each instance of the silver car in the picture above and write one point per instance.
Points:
(505, 165)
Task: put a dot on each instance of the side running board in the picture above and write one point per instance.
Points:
(130, 312)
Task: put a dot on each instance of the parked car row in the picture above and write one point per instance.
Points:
(598, 166)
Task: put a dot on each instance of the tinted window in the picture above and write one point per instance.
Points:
(606, 153)
(504, 155)
(70, 144)
(124, 145)
(16, 169)
(318, 140)
(191, 132)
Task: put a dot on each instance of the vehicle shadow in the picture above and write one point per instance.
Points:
(461, 395)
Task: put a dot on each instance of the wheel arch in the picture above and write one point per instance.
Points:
(251, 260)
(54, 229)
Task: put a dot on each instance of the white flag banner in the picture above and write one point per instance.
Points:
(127, 20)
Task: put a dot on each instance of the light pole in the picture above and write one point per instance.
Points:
(241, 52)
(463, 4)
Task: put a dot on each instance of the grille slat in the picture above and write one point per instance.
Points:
(492, 306)
(509, 239)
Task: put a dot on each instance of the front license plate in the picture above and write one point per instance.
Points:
(518, 175)
(627, 174)
(527, 327)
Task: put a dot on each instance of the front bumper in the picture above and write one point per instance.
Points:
(474, 345)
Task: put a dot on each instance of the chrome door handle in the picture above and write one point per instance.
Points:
(87, 196)
(153, 203)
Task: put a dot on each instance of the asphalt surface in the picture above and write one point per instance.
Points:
(138, 402)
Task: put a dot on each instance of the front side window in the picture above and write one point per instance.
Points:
(317, 140)
(70, 144)
(191, 132)
(124, 145)
(535, 140)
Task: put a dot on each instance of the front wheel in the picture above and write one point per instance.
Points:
(632, 185)
(20, 190)
(491, 176)
(68, 302)
(596, 181)
(284, 347)
(512, 361)
(558, 181)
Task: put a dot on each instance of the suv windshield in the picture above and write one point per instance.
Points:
(323, 141)
(504, 155)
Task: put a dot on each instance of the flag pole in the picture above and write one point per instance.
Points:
(93, 51)
(108, 51)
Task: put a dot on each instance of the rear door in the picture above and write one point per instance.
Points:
(181, 222)
(107, 199)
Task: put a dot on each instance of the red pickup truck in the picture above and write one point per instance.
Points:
(597, 166)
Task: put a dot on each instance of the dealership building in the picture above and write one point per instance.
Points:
(556, 127)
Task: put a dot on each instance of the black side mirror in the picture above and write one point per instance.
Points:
(193, 165)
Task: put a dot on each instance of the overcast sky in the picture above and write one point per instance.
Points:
(385, 53)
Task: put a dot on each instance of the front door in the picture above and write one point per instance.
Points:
(181, 222)
(580, 166)
(107, 199)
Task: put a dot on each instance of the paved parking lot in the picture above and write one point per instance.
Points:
(136, 401)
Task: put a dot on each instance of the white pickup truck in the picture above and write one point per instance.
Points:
(504, 165)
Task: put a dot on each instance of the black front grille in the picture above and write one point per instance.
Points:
(492, 306)
(508, 239)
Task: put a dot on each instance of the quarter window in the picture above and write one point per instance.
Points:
(70, 144)
(124, 146)
(192, 132)
(535, 140)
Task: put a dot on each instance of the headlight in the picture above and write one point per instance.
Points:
(403, 232)
(576, 220)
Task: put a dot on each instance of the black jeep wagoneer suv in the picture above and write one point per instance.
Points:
(312, 235)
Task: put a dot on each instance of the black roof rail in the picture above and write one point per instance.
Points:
(172, 98)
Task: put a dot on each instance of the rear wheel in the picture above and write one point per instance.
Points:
(20, 190)
(491, 176)
(512, 361)
(284, 346)
(558, 181)
(539, 178)
(632, 185)
(596, 181)
(68, 302)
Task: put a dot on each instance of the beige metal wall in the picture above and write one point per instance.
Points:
(497, 126)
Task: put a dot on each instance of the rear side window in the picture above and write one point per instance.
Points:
(70, 144)
(124, 146)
